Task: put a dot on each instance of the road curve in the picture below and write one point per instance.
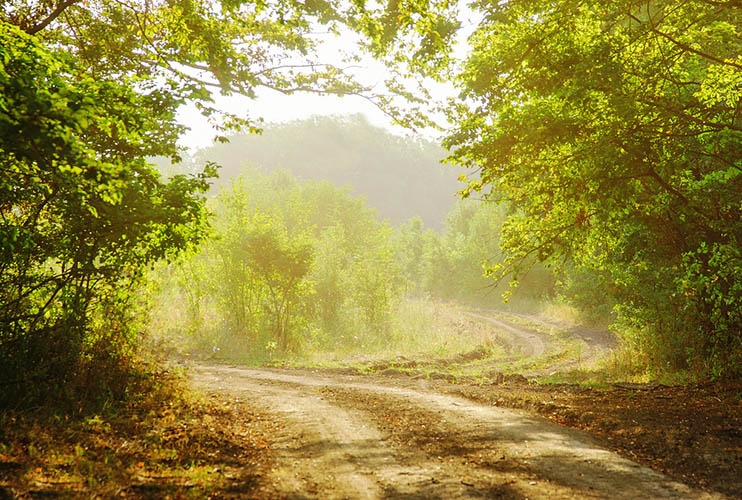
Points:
(342, 438)
(528, 344)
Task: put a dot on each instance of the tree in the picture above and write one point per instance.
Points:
(613, 130)
(452, 265)
(283, 267)
(81, 217)
(291, 265)
(192, 48)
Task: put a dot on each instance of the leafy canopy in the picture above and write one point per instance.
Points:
(612, 129)
(193, 48)
(81, 212)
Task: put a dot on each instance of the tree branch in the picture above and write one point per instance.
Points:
(685, 47)
(55, 14)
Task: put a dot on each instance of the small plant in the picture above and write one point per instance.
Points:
(270, 348)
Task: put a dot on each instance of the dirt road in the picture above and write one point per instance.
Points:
(541, 347)
(367, 437)
(524, 343)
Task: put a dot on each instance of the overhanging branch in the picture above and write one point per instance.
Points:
(55, 14)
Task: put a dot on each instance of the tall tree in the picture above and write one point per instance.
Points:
(613, 129)
(81, 216)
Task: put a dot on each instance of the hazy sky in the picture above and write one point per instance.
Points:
(275, 107)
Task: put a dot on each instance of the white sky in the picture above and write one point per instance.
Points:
(275, 107)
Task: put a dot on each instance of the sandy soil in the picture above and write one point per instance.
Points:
(345, 436)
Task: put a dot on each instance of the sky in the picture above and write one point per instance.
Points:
(275, 107)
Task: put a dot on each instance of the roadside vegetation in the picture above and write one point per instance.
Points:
(620, 155)
(602, 142)
(302, 268)
(633, 233)
(166, 442)
(301, 271)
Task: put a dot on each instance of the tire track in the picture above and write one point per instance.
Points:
(334, 446)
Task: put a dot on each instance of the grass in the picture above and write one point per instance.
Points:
(440, 339)
(561, 312)
(168, 444)
(436, 336)
(423, 330)
(619, 367)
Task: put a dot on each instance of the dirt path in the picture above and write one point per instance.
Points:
(528, 337)
(361, 437)
(522, 343)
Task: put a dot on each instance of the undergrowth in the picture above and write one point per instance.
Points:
(165, 443)
(422, 330)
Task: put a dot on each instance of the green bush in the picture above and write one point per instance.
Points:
(290, 266)
(82, 216)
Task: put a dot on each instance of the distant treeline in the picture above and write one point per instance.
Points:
(400, 177)
(304, 265)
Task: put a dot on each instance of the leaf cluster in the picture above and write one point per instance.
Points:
(612, 128)
(81, 215)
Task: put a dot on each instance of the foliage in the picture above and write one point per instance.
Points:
(81, 215)
(612, 128)
(290, 265)
(193, 48)
(88, 90)
(451, 265)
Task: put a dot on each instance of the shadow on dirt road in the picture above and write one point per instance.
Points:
(368, 437)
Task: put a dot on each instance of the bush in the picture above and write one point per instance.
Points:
(83, 215)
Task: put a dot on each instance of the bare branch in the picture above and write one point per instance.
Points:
(55, 14)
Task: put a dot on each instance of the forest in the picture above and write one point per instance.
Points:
(590, 165)
(297, 265)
